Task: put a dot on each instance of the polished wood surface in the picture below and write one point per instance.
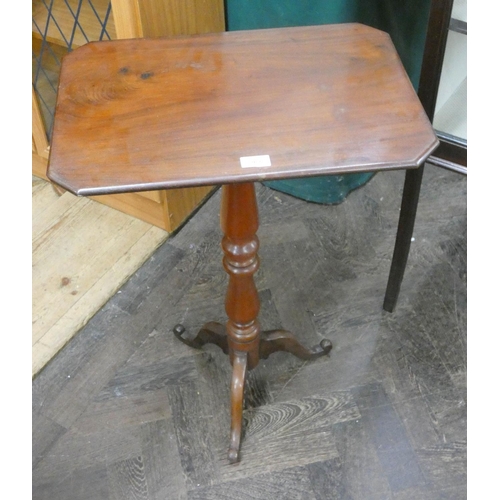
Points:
(242, 338)
(161, 113)
(239, 223)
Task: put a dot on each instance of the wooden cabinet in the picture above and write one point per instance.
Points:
(59, 26)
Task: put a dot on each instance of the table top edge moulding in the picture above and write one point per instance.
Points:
(232, 107)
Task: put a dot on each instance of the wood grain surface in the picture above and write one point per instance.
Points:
(147, 114)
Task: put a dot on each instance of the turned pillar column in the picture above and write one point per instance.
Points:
(239, 223)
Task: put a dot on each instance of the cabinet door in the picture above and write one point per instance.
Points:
(443, 83)
(450, 116)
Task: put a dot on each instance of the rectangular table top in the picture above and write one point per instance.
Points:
(145, 114)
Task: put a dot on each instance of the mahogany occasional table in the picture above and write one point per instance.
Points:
(235, 108)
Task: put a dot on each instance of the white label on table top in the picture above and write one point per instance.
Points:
(255, 161)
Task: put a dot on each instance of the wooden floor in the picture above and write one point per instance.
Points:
(82, 252)
(125, 411)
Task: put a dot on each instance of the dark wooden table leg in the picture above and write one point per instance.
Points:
(409, 205)
(283, 340)
(237, 393)
(239, 223)
(210, 333)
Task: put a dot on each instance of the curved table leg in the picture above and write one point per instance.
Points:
(237, 390)
(283, 340)
(210, 333)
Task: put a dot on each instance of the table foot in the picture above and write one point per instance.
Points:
(283, 340)
(237, 390)
(210, 333)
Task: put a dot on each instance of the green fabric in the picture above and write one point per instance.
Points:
(405, 21)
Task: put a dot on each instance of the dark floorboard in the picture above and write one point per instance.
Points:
(125, 411)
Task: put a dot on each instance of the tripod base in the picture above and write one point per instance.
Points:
(269, 342)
